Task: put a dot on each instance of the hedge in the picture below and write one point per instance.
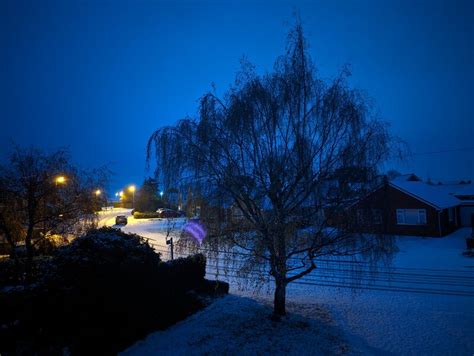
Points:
(147, 215)
(99, 295)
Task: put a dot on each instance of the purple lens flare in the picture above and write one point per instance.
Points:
(196, 230)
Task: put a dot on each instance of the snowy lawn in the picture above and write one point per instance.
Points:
(239, 325)
(403, 323)
(372, 321)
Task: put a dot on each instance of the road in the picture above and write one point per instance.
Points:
(154, 230)
(107, 217)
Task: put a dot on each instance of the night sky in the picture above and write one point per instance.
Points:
(99, 77)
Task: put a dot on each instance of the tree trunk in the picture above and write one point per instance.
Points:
(29, 253)
(279, 301)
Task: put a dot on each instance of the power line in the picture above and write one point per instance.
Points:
(442, 151)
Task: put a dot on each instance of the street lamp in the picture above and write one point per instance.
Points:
(161, 194)
(97, 193)
(60, 180)
(132, 190)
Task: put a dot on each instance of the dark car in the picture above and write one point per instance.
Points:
(121, 220)
(168, 213)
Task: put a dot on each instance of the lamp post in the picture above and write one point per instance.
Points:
(132, 190)
(97, 193)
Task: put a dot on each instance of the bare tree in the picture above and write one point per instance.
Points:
(43, 193)
(290, 152)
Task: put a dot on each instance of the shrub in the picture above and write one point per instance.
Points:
(99, 294)
(145, 215)
(188, 271)
(48, 244)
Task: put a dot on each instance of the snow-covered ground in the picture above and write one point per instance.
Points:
(422, 304)
(236, 325)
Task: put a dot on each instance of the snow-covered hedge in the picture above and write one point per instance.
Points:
(146, 215)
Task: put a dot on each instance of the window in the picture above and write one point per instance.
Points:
(400, 216)
(411, 216)
(422, 216)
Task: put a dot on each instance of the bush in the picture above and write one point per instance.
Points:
(99, 294)
(145, 215)
(48, 244)
(185, 273)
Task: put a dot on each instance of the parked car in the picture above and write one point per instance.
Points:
(121, 220)
(168, 213)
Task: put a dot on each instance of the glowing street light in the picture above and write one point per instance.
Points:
(132, 189)
(98, 192)
(161, 194)
(60, 180)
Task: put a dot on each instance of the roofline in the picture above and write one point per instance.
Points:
(365, 196)
(405, 192)
(419, 198)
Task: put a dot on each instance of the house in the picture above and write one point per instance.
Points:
(408, 206)
(465, 193)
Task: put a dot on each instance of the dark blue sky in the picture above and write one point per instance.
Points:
(100, 76)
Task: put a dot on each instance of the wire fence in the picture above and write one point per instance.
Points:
(340, 273)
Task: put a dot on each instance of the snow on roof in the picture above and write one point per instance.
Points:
(464, 190)
(439, 196)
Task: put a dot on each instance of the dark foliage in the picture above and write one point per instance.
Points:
(150, 215)
(146, 198)
(44, 193)
(99, 295)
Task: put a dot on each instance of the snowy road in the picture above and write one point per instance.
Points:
(154, 230)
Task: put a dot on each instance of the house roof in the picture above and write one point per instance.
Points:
(438, 196)
(464, 190)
